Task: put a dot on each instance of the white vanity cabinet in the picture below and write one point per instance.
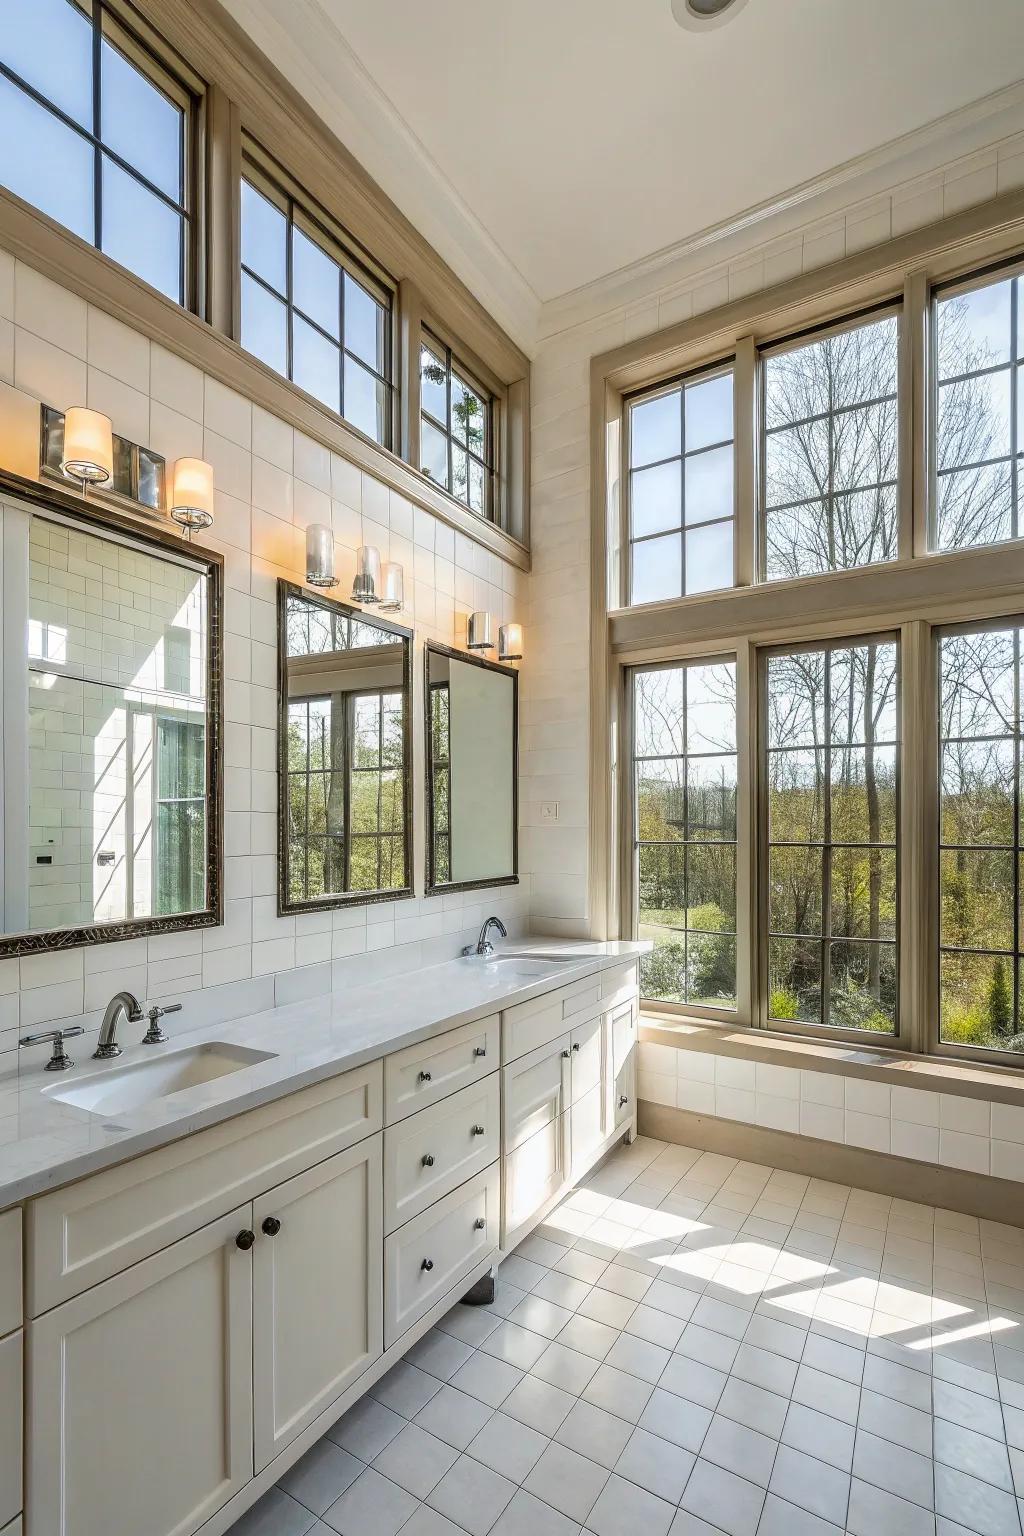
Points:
(11, 1353)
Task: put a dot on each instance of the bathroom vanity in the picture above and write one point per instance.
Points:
(195, 1281)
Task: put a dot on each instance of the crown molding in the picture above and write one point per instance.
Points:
(919, 154)
(352, 105)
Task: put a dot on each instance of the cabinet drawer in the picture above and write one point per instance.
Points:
(10, 1271)
(94, 1229)
(529, 1025)
(422, 1074)
(536, 1091)
(428, 1154)
(534, 1174)
(619, 984)
(11, 1356)
(587, 1046)
(431, 1253)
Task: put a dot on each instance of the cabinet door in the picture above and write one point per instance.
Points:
(10, 1427)
(536, 1091)
(535, 1173)
(140, 1394)
(622, 1046)
(317, 1291)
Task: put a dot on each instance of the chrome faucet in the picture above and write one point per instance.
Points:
(107, 1045)
(483, 945)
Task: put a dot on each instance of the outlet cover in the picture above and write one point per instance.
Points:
(549, 810)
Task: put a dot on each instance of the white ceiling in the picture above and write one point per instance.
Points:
(576, 137)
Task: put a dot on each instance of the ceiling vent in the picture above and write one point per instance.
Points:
(703, 15)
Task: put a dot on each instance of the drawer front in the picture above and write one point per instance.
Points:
(429, 1154)
(11, 1358)
(430, 1254)
(588, 1122)
(94, 1229)
(423, 1074)
(529, 1025)
(619, 984)
(536, 1089)
(587, 1048)
(10, 1271)
(535, 1173)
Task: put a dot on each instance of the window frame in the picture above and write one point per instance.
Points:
(433, 339)
(300, 211)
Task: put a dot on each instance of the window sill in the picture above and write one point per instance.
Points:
(1004, 1085)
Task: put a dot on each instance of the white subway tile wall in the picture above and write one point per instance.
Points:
(270, 482)
(947, 1129)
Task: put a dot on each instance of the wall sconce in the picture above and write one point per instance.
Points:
(320, 556)
(366, 586)
(88, 455)
(510, 642)
(392, 591)
(481, 636)
(192, 495)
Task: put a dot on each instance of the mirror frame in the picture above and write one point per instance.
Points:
(285, 906)
(158, 536)
(431, 888)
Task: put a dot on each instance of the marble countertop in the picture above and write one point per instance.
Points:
(45, 1143)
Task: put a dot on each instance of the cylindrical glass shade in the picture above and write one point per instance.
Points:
(392, 589)
(88, 445)
(481, 635)
(192, 493)
(366, 586)
(510, 642)
(320, 556)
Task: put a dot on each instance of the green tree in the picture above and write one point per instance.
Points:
(999, 1006)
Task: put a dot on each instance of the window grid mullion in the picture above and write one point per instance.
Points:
(826, 855)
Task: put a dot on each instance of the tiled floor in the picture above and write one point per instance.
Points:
(693, 1345)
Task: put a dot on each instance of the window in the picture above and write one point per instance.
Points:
(440, 768)
(980, 842)
(681, 498)
(831, 732)
(829, 450)
(180, 864)
(94, 133)
(456, 429)
(310, 310)
(979, 354)
(684, 832)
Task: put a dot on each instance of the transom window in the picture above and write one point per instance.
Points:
(310, 311)
(94, 132)
(456, 428)
(979, 434)
(830, 450)
(684, 831)
(681, 494)
(831, 771)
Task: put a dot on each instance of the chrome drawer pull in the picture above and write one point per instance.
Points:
(623, 1100)
(566, 1055)
(427, 1160)
(479, 1050)
(427, 1265)
(424, 1077)
(479, 1224)
(477, 1130)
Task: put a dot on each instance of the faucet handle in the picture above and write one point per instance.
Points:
(59, 1061)
(154, 1034)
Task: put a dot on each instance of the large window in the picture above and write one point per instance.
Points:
(684, 831)
(829, 451)
(981, 845)
(831, 774)
(979, 354)
(310, 310)
(456, 429)
(94, 131)
(681, 496)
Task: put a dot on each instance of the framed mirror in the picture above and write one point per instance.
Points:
(110, 685)
(472, 727)
(344, 754)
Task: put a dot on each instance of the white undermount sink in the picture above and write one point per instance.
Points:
(118, 1089)
(519, 965)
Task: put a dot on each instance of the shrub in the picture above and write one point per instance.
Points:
(783, 1004)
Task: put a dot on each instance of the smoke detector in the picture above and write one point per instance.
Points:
(703, 15)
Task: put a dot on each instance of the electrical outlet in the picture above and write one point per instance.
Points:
(549, 810)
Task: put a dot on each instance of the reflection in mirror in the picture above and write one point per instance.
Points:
(472, 806)
(345, 754)
(108, 689)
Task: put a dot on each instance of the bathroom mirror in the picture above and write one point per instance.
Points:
(344, 754)
(472, 710)
(110, 692)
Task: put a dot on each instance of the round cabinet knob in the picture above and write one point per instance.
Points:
(479, 1050)
(623, 1100)
(427, 1160)
(427, 1265)
(245, 1240)
(479, 1224)
(576, 1045)
(424, 1077)
(566, 1055)
(271, 1226)
(477, 1130)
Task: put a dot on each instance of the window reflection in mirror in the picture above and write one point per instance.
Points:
(106, 792)
(472, 726)
(344, 753)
